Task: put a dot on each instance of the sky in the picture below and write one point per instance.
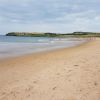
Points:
(60, 16)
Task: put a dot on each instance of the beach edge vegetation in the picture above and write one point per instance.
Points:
(37, 34)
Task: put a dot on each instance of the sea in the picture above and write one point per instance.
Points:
(13, 46)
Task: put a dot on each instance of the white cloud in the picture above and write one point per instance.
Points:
(49, 15)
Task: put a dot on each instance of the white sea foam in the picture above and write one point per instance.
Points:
(11, 47)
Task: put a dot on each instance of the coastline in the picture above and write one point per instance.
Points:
(69, 73)
(19, 46)
(45, 50)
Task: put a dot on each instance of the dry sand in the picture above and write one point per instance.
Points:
(66, 74)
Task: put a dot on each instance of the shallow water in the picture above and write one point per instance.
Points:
(11, 46)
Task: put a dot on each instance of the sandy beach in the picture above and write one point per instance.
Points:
(65, 74)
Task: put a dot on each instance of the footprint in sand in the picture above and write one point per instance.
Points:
(58, 74)
(34, 82)
(54, 88)
(76, 65)
(95, 83)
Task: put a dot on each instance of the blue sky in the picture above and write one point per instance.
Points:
(49, 15)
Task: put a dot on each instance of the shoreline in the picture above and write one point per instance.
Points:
(65, 74)
(44, 51)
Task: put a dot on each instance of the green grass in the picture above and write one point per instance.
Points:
(75, 34)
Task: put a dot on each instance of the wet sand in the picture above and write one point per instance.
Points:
(65, 74)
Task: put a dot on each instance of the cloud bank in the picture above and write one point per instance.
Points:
(49, 15)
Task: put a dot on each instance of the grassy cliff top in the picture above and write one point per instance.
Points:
(41, 34)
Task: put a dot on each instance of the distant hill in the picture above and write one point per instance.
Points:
(33, 34)
(41, 34)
